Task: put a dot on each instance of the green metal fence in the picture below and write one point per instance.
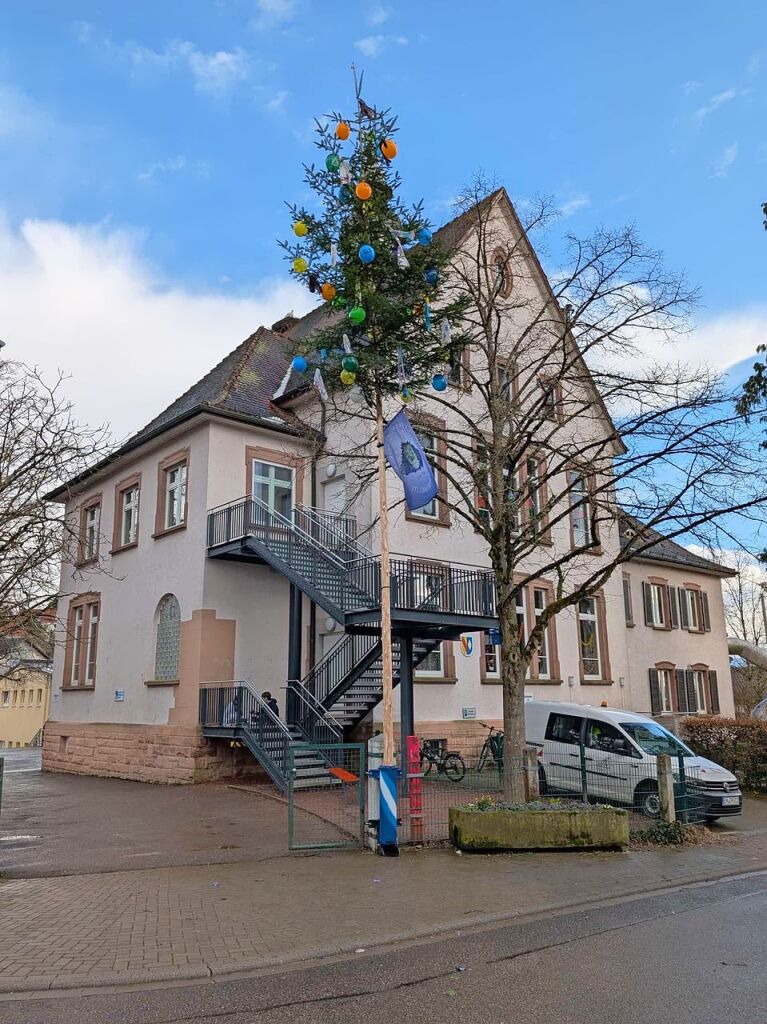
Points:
(326, 796)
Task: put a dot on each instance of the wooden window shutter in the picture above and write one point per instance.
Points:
(706, 613)
(692, 695)
(647, 597)
(655, 702)
(672, 603)
(683, 608)
(682, 703)
(713, 688)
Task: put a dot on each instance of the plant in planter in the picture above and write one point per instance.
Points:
(540, 825)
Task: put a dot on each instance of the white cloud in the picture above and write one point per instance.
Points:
(715, 103)
(273, 12)
(572, 206)
(85, 300)
(174, 165)
(215, 73)
(374, 45)
(379, 14)
(725, 162)
(277, 103)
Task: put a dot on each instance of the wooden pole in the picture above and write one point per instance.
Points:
(386, 655)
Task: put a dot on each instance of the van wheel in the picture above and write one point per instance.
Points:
(647, 799)
(543, 786)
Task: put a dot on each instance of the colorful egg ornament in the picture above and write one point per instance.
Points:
(339, 302)
(328, 291)
(366, 253)
(424, 236)
(363, 190)
(350, 363)
(300, 265)
(357, 314)
(431, 276)
(299, 364)
(343, 131)
(407, 395)
(439, 382)
(300, 228)
(332, 161)
(347, 377)
(389, 149)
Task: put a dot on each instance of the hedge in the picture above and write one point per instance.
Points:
(737, 744)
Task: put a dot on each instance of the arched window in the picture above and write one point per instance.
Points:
(168, 637)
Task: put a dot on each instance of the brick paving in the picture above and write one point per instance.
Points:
(188, 921)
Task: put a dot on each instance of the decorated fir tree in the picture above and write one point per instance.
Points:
(372, 258)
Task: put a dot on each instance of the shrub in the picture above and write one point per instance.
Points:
(737, 744)
(662, 833)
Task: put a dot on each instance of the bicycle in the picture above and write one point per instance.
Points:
(492, 749)
(448, 763)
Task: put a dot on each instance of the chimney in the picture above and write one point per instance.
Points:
(284, 325)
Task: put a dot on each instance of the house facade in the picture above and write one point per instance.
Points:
(25, 691)
(218, 546)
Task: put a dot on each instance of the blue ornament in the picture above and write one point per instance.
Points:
(439, 382)
(431, 276)
(424, 236)
(367, 253)
(299, 364)
(323, 354)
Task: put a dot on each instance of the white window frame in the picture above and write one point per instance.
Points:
(129, 509)
(91, 646)
(429, 444)
(430, 673)
(693, 613)
(579, 507)
(657, 604)
(78, 622)
(699, 684)
(544, 652)
(592, 616)
(91, 531)
(665, 683)
(175, 495)
(272, 483)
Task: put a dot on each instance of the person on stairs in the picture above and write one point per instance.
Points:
(271, 703)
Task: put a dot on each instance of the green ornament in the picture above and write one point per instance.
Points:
(357, 314)
(338, 302)
(350, 363)
(332, 162)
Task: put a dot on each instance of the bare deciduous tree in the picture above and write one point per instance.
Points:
(570, 436)
(41, 445)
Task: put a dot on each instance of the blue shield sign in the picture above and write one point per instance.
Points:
(408, 460)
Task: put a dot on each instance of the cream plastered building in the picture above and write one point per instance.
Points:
(25, 692)
(153, 616)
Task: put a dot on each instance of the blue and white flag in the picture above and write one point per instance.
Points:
(408, 460)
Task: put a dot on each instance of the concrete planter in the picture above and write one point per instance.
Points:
(588, 828)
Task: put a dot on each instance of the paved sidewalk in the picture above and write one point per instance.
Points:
(129, 927)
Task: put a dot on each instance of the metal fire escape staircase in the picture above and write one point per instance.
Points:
(319, 553)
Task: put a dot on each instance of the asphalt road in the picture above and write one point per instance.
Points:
(694, 955)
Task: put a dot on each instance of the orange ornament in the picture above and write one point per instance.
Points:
(342, 131)
(389, 149)
(328, 292)
(363, 190)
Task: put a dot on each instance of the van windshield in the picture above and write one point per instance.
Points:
(654, 739)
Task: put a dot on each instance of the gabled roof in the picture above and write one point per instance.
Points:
(239, 387)
(662, 549)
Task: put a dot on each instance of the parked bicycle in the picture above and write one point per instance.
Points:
(448, 763)
(491, 755)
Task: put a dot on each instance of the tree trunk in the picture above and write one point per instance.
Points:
(513, 671)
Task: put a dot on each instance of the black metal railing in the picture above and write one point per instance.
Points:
(344, 659)
(234, 705)
(321, 555)
(333, 530)
(313, 720)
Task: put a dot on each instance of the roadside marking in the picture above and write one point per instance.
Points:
(18, 771)
(16, 839)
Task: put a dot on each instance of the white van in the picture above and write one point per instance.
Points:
(620, 752)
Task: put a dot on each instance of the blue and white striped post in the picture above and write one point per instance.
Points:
(387, 823)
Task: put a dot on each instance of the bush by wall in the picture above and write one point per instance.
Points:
(737, 744)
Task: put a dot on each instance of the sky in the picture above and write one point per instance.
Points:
(147, 150)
